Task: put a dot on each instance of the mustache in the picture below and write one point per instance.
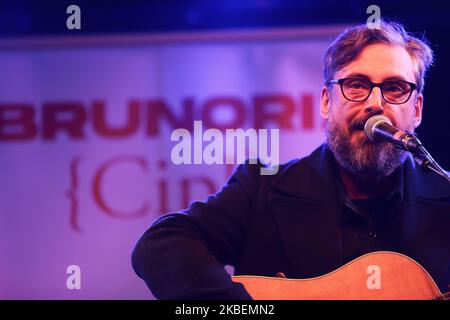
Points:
(359, 124)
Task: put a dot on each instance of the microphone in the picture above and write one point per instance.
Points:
(380, 129)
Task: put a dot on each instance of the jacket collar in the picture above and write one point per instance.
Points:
(322, 181)
(314, 177)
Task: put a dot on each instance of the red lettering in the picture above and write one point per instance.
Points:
(100, 126)
(307, 114)
(163, 193)
(21, 127)
(96, 188)
(17, 121)
(237, 107)
(66, 116)
(158, 110)
(264, 112)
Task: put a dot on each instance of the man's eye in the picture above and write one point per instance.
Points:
(394, 87)
(357, 85)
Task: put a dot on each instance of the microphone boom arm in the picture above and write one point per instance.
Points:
(424, 159)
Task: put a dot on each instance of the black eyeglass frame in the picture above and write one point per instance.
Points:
(412, 85)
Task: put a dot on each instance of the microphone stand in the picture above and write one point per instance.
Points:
(424, 159)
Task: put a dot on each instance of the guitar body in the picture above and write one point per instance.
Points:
(377, 275)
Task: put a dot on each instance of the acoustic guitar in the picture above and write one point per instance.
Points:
(379, 275)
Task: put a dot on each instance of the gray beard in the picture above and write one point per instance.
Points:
(365, 158)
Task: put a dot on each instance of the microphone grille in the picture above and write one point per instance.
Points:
(371, 123)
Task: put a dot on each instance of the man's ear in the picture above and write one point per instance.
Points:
(325, 103)
(418, 105)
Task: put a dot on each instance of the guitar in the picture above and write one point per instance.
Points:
(378, 275)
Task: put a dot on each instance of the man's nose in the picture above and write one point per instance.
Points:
(375, 101)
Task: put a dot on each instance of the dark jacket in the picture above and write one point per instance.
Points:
(288, 222)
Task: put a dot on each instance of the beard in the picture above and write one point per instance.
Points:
(363, 158)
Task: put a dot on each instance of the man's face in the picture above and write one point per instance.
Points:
(345, 119)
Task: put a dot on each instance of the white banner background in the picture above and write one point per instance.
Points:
(43, 231)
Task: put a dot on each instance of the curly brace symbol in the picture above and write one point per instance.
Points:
(71, 194)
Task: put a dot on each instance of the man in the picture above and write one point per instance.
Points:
(348, 198)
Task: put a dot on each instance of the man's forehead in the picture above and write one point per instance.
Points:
(379, 62)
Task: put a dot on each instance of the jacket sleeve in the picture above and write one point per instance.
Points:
(182, 255)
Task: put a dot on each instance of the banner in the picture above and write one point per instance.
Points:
(88, 150)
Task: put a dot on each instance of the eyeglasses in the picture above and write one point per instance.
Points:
(359, 89)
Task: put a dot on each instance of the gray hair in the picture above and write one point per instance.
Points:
(352, 41)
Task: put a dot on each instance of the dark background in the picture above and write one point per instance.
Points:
(425, 18)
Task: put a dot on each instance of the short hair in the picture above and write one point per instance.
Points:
(346, 47)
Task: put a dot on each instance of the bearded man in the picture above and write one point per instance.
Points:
(350, 197)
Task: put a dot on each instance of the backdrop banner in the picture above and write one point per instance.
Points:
(90, 156)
